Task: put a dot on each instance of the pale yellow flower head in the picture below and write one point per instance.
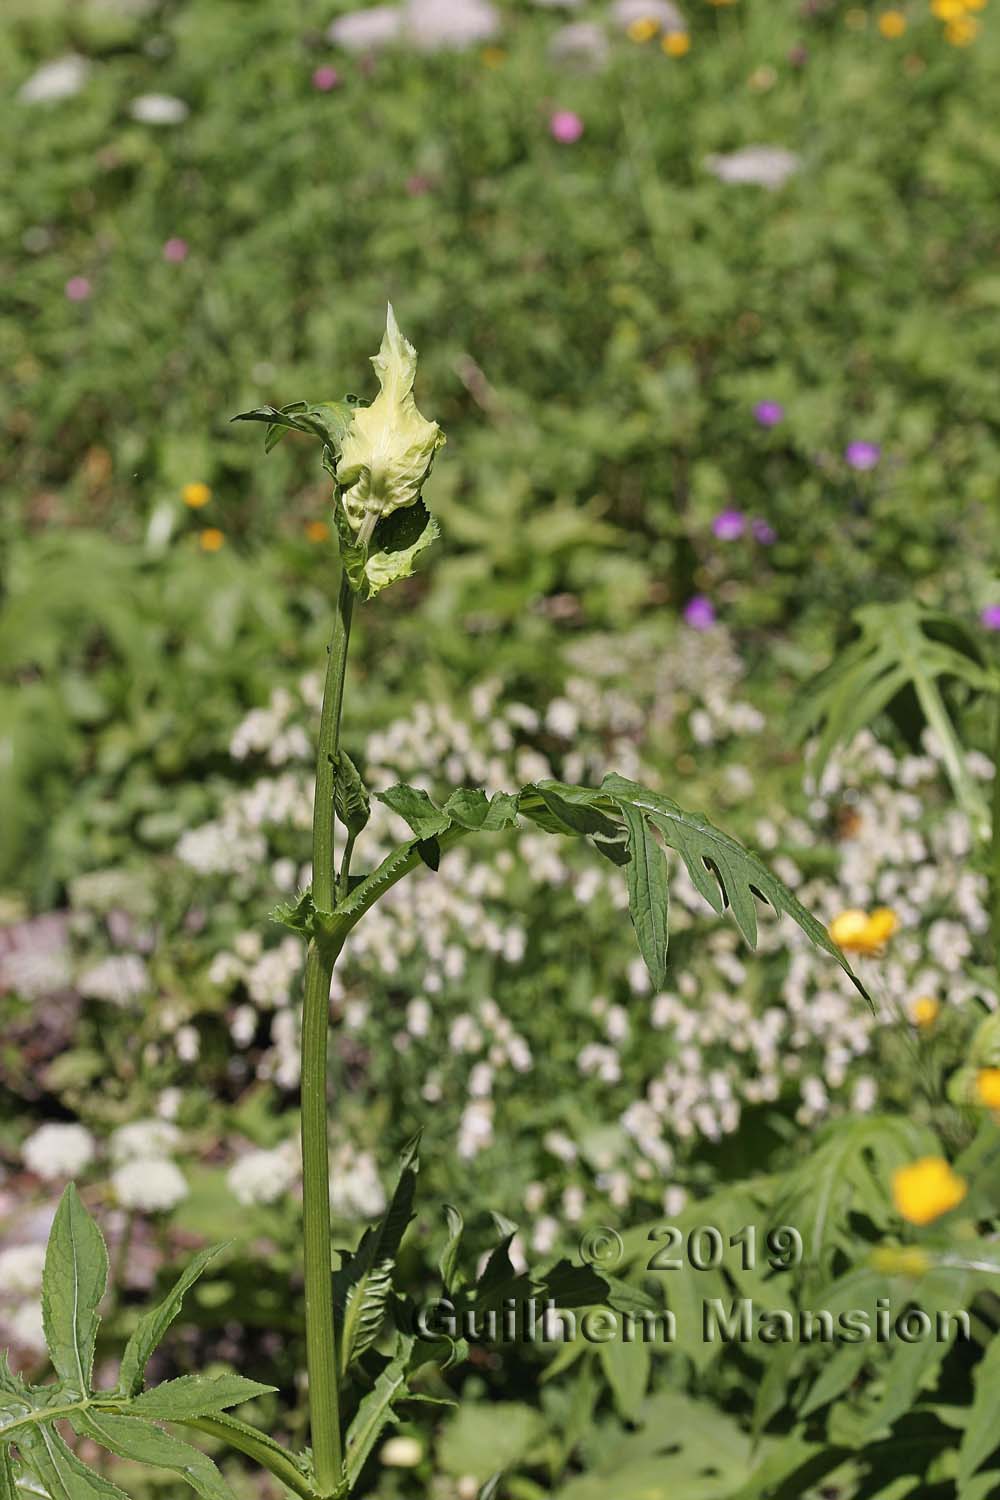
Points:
(389, 446)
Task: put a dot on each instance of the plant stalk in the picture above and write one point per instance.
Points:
(995, 846)
(321, 1343)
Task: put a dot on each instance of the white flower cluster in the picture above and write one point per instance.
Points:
(265, 1176)
(20, 1296)
(145, 1178)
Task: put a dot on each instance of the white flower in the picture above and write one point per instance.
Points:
(118, 979)
(151, 1185)
(143, 1140)
(763, 166)
(34, 972)
(59, 79)
(264, 1176)
(437, 25)
(58, 1151)
(21, 1269)
(401, 1452)
(366, 30)
(667, 16)
(158, 109)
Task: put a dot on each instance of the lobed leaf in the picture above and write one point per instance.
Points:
(154, 1325)
(59, 1471)
(131, 1438)
(374, 1412)
(197, 1396)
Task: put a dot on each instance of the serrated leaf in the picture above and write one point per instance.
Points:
(982, 1432)
(298, 915)
(196, 1396)
(901, 645)
(415, 808)
(363, 1283)
(648, 894)
(374, 1412)
(470, 808)
(155, 1323)
(74, 1281)
(350, 795)
(723, 871)
(131, 1438)
(58, 1469)
(7, 1489)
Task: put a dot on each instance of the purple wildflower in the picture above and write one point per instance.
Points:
(769, 413)
(78, 289)
(862, 455)
(175, 250)
(728, 525)
(699, 612)
(566, 127)
(990, 617)
(764, 533)
(325, 79)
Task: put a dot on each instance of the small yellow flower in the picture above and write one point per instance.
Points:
(196, 494)
(924, 1011)
(900, 1260)
(317, 531)
(975, 4)
(493, 57)
(960, 33)
(211, 539)
(948, 10)
(892, 24)
(676, 43)
(926, 1189)
(988, 1087)
(857, 932)
(643, 29)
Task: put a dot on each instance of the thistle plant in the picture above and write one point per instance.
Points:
(364, 1357)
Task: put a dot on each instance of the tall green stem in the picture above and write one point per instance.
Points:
(995, 846)
(321, 1344)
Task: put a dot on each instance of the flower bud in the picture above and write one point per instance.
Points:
(388, 449)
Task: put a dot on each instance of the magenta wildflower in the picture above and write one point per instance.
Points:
(175, 250)
(769, 413)
(728, 525)
(764, 533)
(566, 127)
(78, 289)
(990, 617)
(699, 612)
(862, 455)
(325, 79)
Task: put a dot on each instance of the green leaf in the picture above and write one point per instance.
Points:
(131, 1438)
(723, 871)
(73, 1282)
(899, 646)
(59, 1470)
(196, 1396)
(471, 809)
(363, 1283)
(7, 1489)
(982, 1434)
(395, 546)
(155, 1323)
(648, 894)
(327, 420)
(626, 1368)
(290, 1469)
(568, 809)
(350, 795)
(491, 1489)
(415, 808)
(299, 915)
(448, 1263)
(374, 1412)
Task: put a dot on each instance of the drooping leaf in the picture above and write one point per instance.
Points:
(350, 795)
(327, 420)
(721, 869)
(155, 1323)
(648, 894)
(470, 808)
(196, 1396)
(132, 1438)
(363, 1283)
(73, 1283)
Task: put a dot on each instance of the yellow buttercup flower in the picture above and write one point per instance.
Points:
(960, 33)
(924, 1011)
(196, 495)
(643, 29)
(892, 24)
(975, 4)
(317, 531)
(926, 1189)
(676, 43)
(900, 1260)
(988, 1087)
(856, 931)
(948, 10)
(211, 539)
